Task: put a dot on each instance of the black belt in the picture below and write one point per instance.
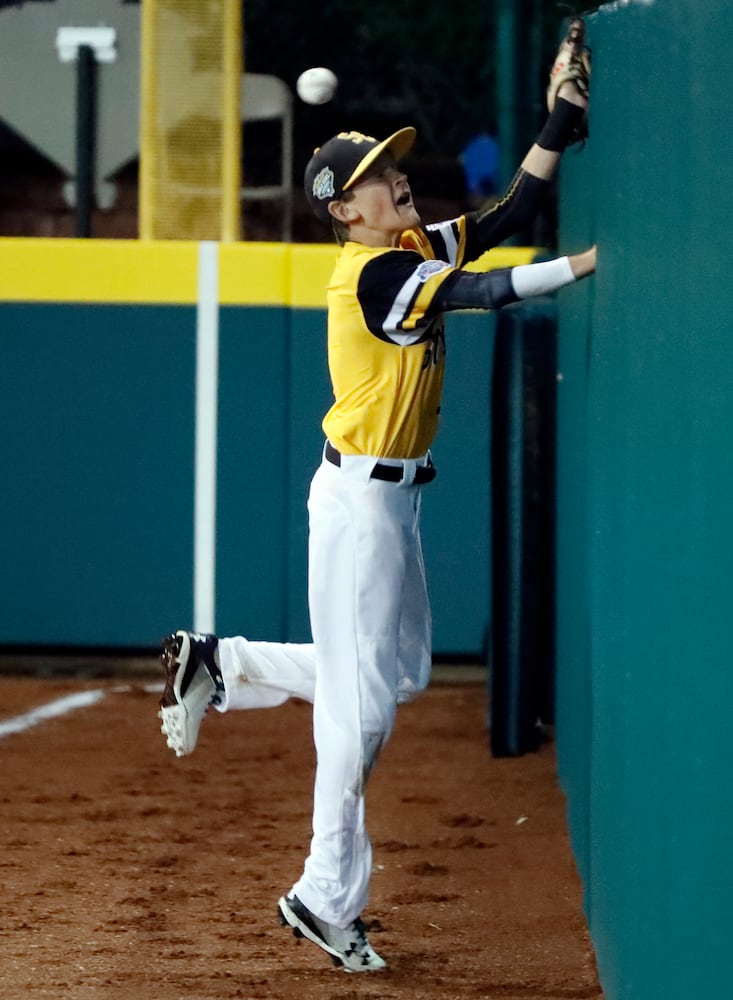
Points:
(388, 473)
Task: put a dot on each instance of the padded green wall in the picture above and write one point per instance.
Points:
(96, 510)
(645, 491)
(96, 443)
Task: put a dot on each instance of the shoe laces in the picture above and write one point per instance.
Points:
(361, 942)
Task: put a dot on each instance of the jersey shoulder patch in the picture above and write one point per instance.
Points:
(428, 268)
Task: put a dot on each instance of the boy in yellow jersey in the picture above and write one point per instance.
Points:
(369, 609)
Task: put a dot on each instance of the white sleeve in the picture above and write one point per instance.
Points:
(539, 279)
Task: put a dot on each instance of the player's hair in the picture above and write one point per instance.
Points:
(340, 229)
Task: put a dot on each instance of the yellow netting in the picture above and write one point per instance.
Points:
(190, 143)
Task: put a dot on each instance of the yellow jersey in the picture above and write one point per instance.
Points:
(386, 342)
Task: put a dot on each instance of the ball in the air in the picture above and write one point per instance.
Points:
(316, 85)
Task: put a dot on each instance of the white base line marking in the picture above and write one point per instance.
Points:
(20, 723)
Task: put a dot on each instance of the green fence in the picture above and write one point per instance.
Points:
(645, 491)
(100, 346)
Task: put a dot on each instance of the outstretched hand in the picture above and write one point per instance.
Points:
(583, 263)
(570, 91)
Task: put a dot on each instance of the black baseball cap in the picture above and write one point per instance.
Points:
(341, 161)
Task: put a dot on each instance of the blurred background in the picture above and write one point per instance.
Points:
(470, 76)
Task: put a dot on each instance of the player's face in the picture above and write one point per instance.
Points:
(384, 200)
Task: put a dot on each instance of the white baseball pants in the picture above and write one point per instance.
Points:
(371, 626)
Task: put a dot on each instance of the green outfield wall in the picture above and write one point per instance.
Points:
(104, 534)
(645, 493)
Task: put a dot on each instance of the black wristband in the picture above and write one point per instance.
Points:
(562, 126)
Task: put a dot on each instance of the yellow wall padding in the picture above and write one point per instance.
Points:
(136, 271)
(190, 142)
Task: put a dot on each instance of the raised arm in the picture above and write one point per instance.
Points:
(567, 98)
(569, 83)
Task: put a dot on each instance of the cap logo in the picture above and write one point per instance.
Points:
(323, 184)
(356, 137)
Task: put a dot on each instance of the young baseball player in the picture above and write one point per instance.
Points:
(368, 601)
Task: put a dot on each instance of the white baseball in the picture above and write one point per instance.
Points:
(316, 85)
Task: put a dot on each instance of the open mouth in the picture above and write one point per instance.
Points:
(404, 199)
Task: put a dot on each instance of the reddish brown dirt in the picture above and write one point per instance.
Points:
(127, 872)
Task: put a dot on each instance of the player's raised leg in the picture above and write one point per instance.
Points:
(261, 674)
(203, 671)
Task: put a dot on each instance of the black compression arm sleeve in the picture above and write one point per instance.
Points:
(468, 290)
(517, 209)
(494, 222)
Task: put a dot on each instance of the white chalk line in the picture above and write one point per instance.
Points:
(61, 706)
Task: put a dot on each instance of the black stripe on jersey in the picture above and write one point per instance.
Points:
(381, 283)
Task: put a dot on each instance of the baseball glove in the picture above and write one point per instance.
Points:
(572, 62)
